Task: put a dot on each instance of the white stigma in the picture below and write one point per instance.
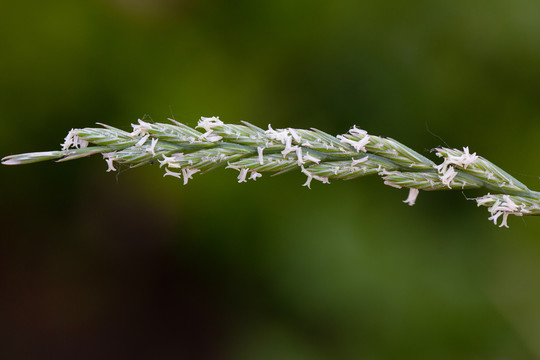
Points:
(187, 174)
(260, 150)
(242, 176)
(254, 175)
(358, 145)
(73, 139)
(448, 176)
(140, 129)
(208, 123)
(171, 173)
(359, 161)
(413, 194)
(110, 164)
(152, 147)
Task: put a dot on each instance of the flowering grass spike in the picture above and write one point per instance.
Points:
(251, 151)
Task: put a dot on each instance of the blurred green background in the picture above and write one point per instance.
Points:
(99, 265)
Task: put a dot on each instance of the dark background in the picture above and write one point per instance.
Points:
(100, 265)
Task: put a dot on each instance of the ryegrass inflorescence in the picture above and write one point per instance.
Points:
(184, 151)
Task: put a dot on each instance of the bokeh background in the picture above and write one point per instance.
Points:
(133, 265)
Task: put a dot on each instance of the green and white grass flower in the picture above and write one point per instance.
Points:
(251, 151)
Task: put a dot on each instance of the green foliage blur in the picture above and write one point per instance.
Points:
(133, 265)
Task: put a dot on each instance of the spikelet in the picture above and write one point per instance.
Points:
(252, 151)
